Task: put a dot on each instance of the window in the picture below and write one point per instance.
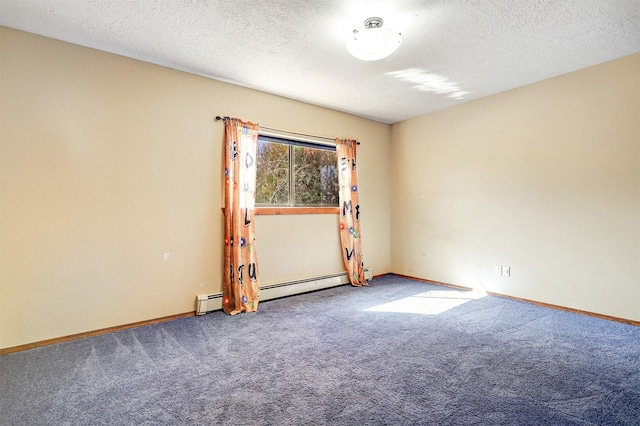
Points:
(292, 173)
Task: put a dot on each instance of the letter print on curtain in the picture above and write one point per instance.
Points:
(240, 286)
(350, 237)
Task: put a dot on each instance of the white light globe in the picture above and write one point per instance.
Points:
(373, 44)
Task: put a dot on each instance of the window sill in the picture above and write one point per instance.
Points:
(296, 210)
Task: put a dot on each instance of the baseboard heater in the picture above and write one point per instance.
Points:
(212, 302)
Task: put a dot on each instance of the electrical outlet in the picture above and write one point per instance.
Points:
(506, 271)
(498, 270)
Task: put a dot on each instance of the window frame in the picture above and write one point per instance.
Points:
(265, 209)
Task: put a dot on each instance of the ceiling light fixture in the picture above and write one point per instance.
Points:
(374, 42)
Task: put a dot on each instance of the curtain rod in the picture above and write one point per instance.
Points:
(225, 118)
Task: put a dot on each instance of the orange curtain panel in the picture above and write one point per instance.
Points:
(240, 286)
(350, 236)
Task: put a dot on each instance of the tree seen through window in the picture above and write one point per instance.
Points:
(296, 174)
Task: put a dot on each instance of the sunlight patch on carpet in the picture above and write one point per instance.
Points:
(430, 303)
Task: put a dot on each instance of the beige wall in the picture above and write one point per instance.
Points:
(107, 164)
(544, 178)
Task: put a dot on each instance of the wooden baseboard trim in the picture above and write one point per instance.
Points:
(381, 275)
(458, 287)
(566, 309)
(56, 340)
(534, 302)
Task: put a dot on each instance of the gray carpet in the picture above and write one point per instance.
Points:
(328, 358)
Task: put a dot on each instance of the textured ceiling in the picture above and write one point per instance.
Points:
(453, 51)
